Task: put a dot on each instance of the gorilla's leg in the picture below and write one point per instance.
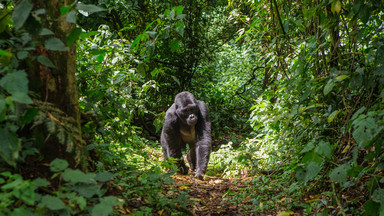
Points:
(192, 158)
(175, 152)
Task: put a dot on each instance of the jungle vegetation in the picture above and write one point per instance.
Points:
(295, 91)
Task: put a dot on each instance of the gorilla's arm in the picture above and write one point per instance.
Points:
(171, 139)
(203, 146)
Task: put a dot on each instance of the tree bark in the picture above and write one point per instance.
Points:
(57, 90)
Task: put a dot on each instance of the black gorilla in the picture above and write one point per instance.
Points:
(187, 122)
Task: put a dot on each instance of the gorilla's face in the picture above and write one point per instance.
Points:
(188, 114)
(187, 109)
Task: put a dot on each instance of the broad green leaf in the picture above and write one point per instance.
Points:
(312, 157)
(58, 165)
(55, 44)
(21, 13)
(179, 9)
(364, 130)
(77, 176)
(71, 17)
(87, 190)
(89, 8)
(104, 176)
(15, 82)
(65, 9)
(324, 148)
(308, 147)
(81, 202)
(9, 146)
(171, 14)
(102, 209)
(46, 31)
(45, 61)
(358, 112)
(328, 87)
(311, 171)
(28, 193)
(73, 36)
(332, 116)
(372, 208)
(111, 200)
(339, 174)
(166, 12)
(41, 182)
(378, 196)
(29, 115)
(21, 97)
(105, 207)
(52, 203)
(22, 55)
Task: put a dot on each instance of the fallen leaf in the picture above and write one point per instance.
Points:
(284, 213)
(182, 187)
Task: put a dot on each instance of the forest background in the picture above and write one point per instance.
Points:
(295, 91)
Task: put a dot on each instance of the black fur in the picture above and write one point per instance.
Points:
(187, 122)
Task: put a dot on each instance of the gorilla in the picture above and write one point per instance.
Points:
(187, 122)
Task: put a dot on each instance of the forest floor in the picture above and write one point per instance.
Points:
(214, 196)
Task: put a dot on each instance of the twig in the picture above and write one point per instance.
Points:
(337, 200)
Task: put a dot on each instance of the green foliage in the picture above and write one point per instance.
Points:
(75, 196)
(301, 82)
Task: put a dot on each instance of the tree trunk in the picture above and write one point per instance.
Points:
(57, 91)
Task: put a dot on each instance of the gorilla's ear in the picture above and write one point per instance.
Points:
(177, 106)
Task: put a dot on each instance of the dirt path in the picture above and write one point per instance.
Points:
(208, 195)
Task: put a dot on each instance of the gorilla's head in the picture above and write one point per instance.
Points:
(186, 108)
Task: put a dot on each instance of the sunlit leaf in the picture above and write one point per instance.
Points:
(336, 6)
(285, 213)
(328, 87)
(89, 8)
(342, 77)
(5, 53)
(332, 116)
(182, 187)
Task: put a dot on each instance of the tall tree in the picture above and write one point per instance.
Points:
(41, 48)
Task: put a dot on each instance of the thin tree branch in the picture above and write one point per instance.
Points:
(278, 16)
